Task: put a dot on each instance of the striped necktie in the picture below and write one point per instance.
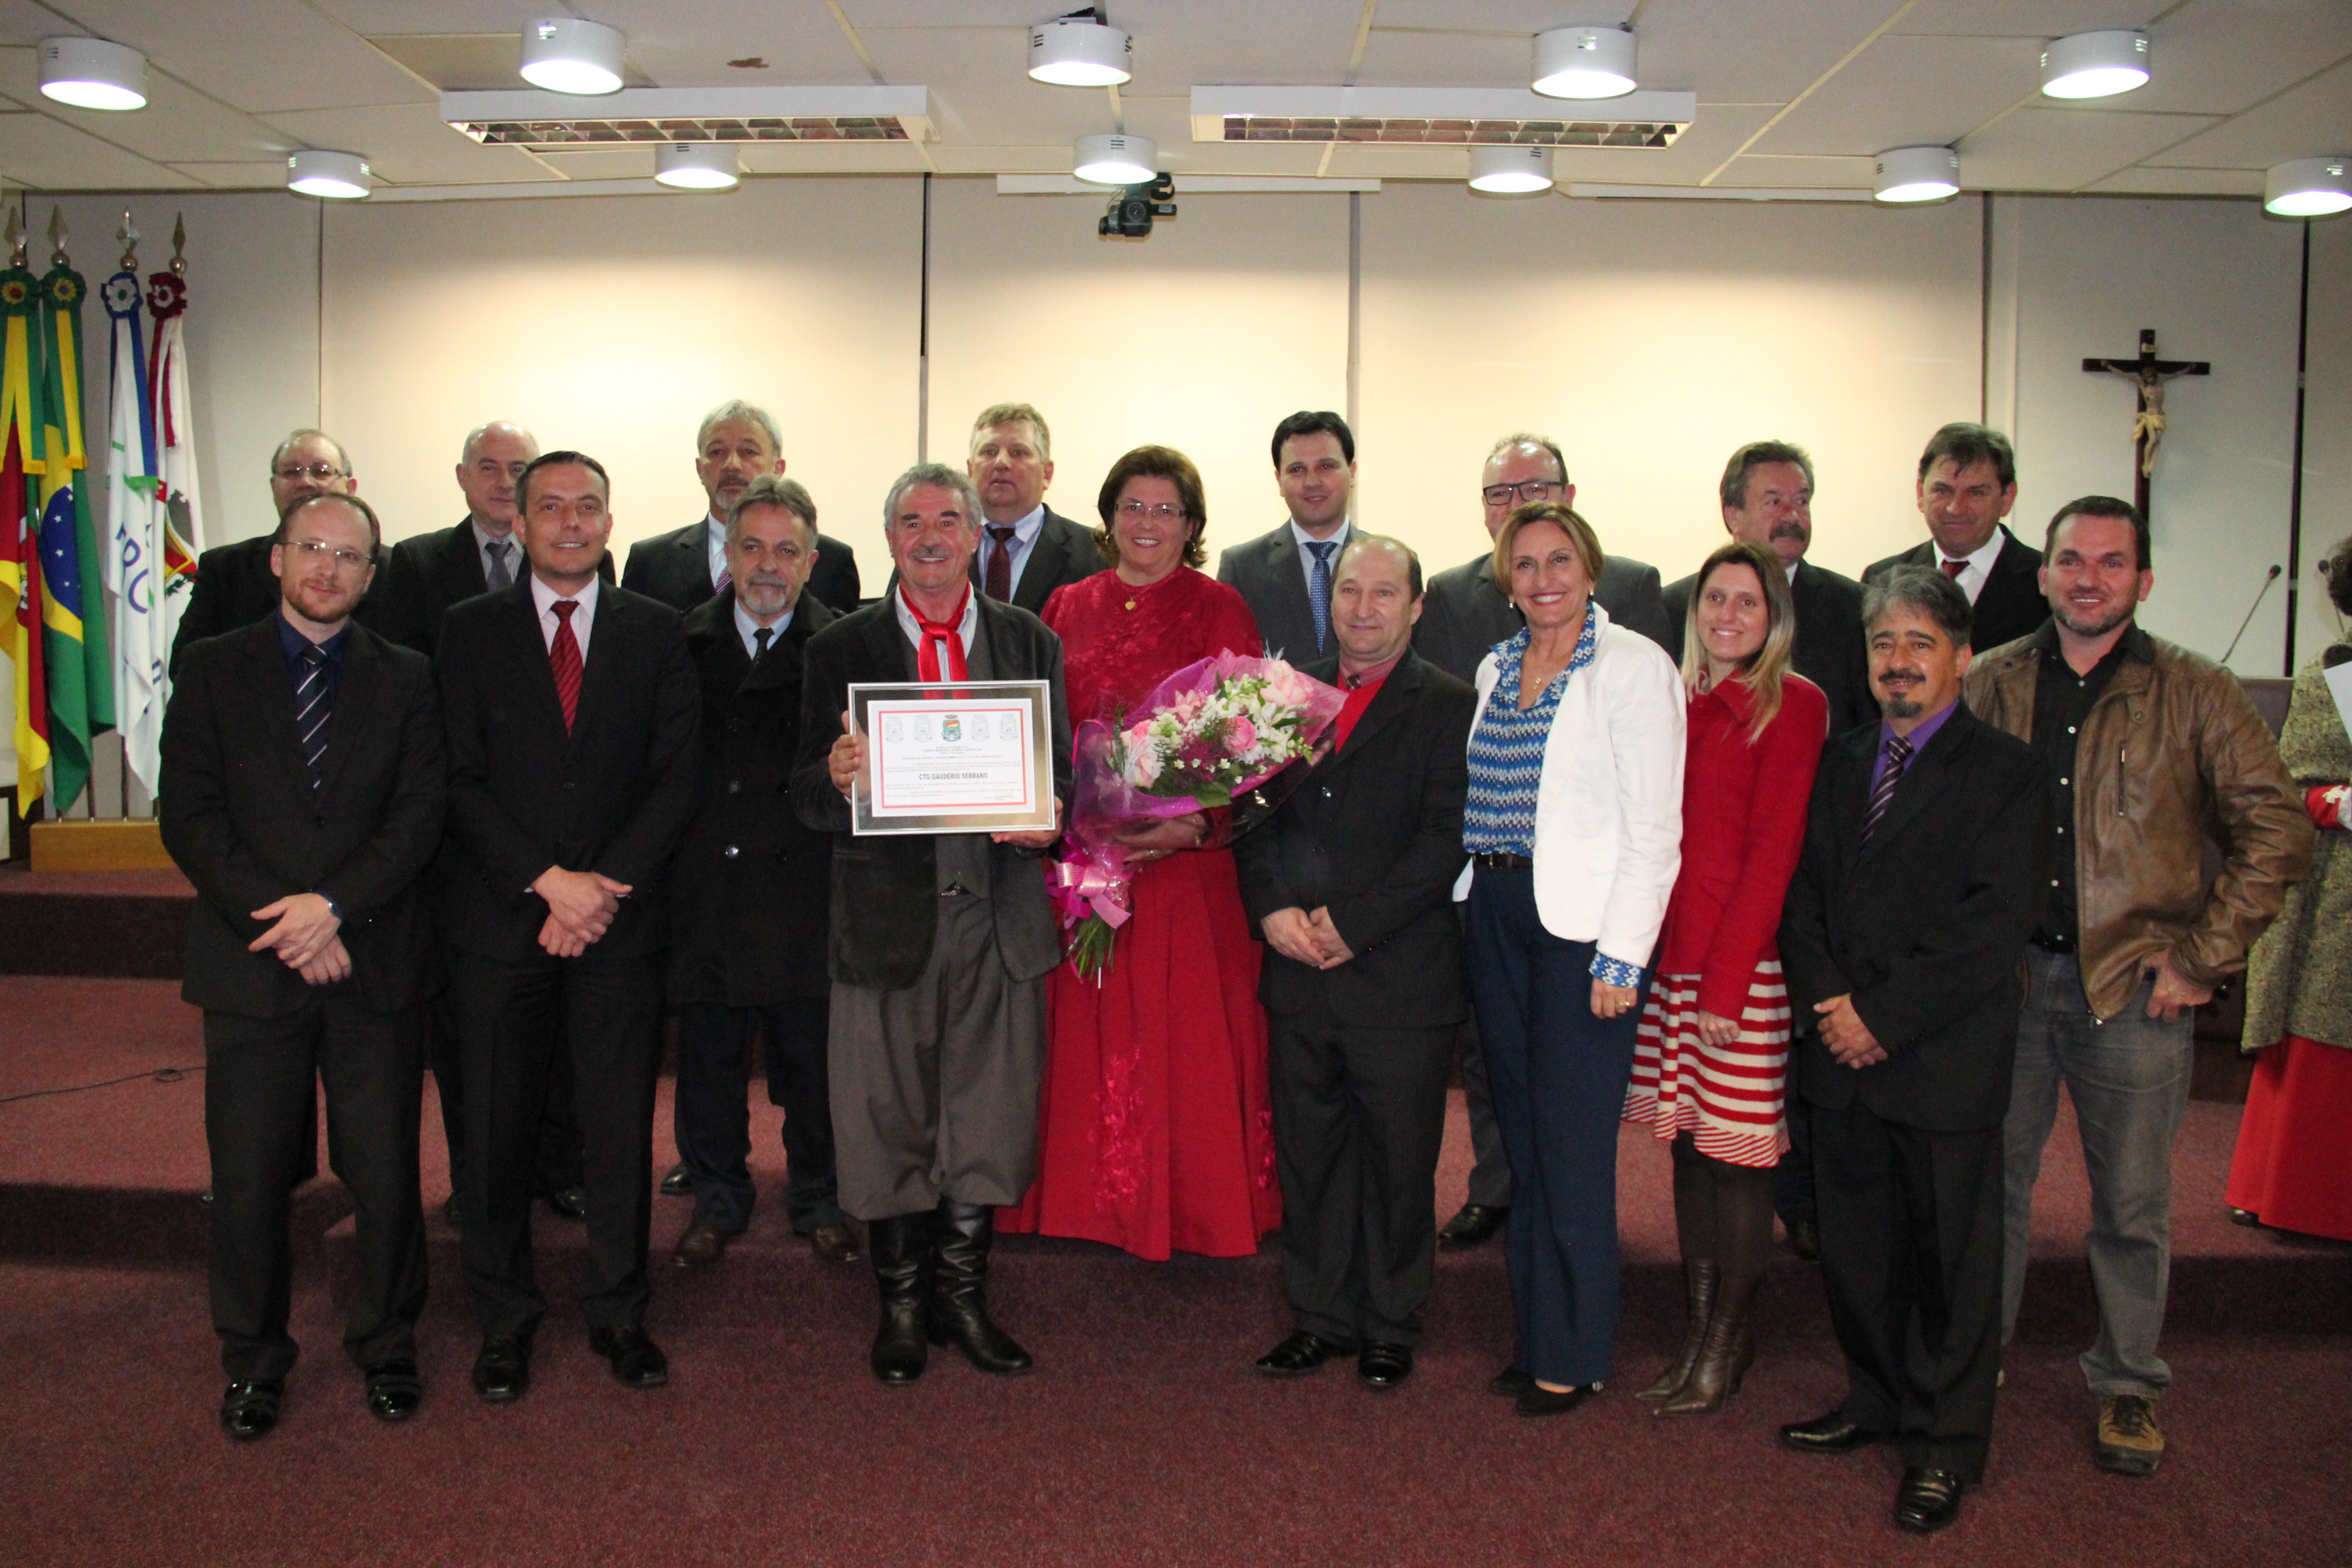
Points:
(1899, 752)
(1318, 589)
(500, 575)
(314, 704)
(563, 661)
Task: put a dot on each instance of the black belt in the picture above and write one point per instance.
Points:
(1499, 860)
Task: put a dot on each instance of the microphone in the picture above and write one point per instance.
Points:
(2250, 609)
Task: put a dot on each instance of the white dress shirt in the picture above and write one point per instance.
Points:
(718, 541)
(582, 618)
(1978, 570)
(483, 540)
(1302, 538)
(748, 630)
(966, 628)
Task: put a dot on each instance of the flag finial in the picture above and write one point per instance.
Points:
(178, 246)
(57, 237)
(128, 235)
(16, 237)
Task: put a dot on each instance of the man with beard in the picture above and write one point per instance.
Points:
(2146, 745)
(236, 585)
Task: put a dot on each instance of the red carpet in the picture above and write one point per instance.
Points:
(1142, 1438)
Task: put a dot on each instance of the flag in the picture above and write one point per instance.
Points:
(134, 527)
(20, 556)
(81, 682)
(175, 446)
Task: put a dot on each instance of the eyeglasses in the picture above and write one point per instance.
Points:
(313, 551)
(1528, 491)
(322, 473)
(1136, 511)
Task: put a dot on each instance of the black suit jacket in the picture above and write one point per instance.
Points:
(1066, 551)
(1265, 570)
(425, 573)
(1375, 833)
(2010, 606)
(749, 882)
(613, 796)
(1924, 927)
(1829, 651)
(234, 588)
(239, 817)
(675, 567)
(1463, 613)
(886, 887)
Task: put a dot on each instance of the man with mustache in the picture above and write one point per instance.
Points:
(236, 585)
(2146, 743)
(750, 886)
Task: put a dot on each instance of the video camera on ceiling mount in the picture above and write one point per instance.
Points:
(1133, 209)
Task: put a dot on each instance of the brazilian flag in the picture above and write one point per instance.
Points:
(73, 625)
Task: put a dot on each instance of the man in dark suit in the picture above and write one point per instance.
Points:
(739, 441)
(940, 946)
(749, 883)
(303, 793)
(1027, 549)
(1286, 575)
(234, 584)
(1968, 482)
(572, 713)
(1463, 616)
(1925, 864)
(1351, 883)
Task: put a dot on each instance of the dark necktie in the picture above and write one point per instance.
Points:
(1898, 751)
(762, 635)
(500, 575)
(1953, 568)
(314, 704)
(1318, 589)
(998, 582)
(563, 661)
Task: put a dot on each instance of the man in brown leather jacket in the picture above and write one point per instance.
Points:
(2146, 742)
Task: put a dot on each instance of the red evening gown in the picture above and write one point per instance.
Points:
(1154, 1131)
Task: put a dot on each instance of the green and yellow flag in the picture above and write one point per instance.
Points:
(80, 676)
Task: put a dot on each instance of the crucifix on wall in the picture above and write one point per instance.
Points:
(2148, 375)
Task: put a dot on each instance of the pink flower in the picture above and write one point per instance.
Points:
(1241, 735)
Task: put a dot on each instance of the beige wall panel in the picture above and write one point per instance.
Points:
(2328, 429)
(1203, 337)
(1651, 339)
(611, 324)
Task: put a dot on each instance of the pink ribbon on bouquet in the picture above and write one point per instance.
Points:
(1095, 880)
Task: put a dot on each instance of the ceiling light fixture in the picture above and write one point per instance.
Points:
(90, 73)
(1584, 62)
(2095, 64)
(1115, 158)
(1917, 174)
(2308, 188)
(564, 54)
(339, 177)
(1079, 50)
(1510, 171)
(696, 166)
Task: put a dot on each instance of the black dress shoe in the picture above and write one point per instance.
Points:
(1510, 1383)
(1831, 1434)
(637, 1360)
(572, 1202)
(1301, 1353)
(250, 1409)
(394, 1389)
(449, 1210)
(1383, 1366)
(1476, 1225)
(1928, 1500)
(1537, 1400)
(676, 1183)
(503, 1370)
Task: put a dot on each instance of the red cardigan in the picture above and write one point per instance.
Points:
(1744, 810)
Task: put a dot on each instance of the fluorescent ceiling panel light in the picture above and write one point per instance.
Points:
(1114, 158)
(2308, 188)
(1584, 62)
(696, 166)
(1510, 171)
(1471, 116)
(338, 176)
(1716, 194)
(1073, 51)
(548, 121)
(1917, 174)
(564, 54)
(90, 73)
(2095, 64)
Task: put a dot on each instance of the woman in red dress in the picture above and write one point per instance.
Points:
(1154, 1131)
(1711, 1058)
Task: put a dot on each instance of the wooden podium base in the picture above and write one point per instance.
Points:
(102, 845)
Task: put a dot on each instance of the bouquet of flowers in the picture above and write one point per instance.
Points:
(1220, 731)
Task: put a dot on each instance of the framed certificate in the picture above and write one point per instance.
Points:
(959, 756)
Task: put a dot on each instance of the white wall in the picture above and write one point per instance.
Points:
(2328, 429)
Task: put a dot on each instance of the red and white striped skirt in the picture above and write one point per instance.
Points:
(1728, 1098)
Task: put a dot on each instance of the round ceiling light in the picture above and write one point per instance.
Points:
(1514, 171)
(1917, 174)
(696, 166)
(90, 73)
(1584, 62)
(339, 177)
(564, 54)
(1115, 158)
(2095, 64)
(2308, 188)
(1072, 51)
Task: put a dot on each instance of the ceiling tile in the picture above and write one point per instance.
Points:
(689, 46)
(865, 14)
(268, 176)
(1908, 92)
(1750, 51)
(24, 24)
(2066, 149)
(2027, 19)
(48, 154)
(2141, 179)
(370, 17)
(1240, 42)
(981, 92)
(2312, 120)
(2213, 57)
(833, 158)
(1524, 17)
(1804, 172)
(261, 55)
(409, 145)
(1447, 59)
(179, 123)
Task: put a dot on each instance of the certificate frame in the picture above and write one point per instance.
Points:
(905, 785)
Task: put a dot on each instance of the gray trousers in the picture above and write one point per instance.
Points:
(934, 1087)
(2129, 1079)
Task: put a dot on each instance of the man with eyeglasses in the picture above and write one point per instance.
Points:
(303, 793)
(234, 585)
(1463, 616)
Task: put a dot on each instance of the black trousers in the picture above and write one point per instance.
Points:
(260, 1098)
(558, 1130)
(1792, 1178)
(1359, 1115)
(604, 1010)
(1911, 1250)
(713, 1124)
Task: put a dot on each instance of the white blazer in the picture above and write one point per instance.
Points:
(1609, 807)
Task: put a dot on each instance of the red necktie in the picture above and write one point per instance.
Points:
(999, 583)
(563, 661)
(1953, 568)
(936, 636)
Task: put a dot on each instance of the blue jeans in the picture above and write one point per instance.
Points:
(2129, 1079)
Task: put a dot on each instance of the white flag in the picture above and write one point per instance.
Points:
(175, 448)
(134, 553)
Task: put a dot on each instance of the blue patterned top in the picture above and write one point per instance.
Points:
(1507, 753)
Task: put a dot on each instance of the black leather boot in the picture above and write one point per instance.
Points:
(1726, 1357)
(960, 1290)
(901, 1247)
(1700, 1281)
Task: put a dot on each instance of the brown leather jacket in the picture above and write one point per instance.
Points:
(2173, 751)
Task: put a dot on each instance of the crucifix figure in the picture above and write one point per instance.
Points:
(2148, 374)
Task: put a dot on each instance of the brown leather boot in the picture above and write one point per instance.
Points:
(1724, 1360)
(1701, 1280)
